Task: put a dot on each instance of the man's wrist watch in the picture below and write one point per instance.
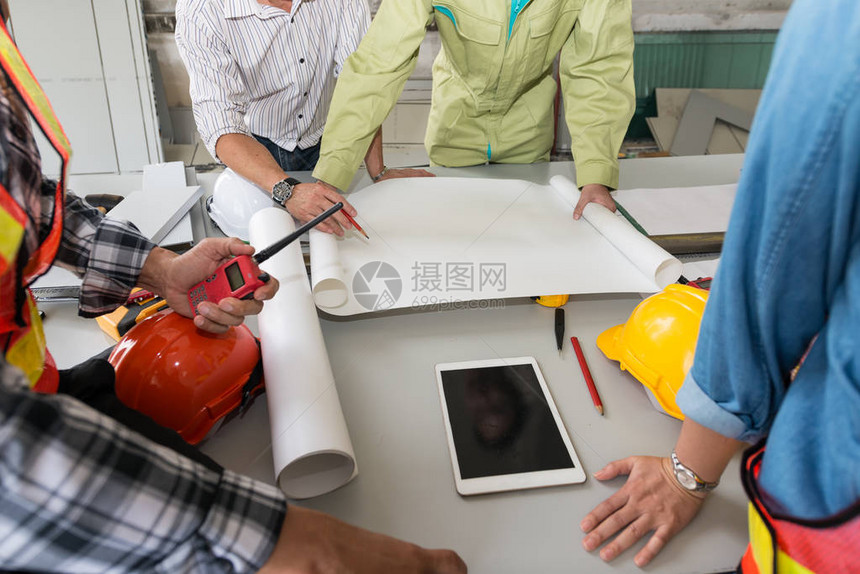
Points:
(283, 190)
(688, 479)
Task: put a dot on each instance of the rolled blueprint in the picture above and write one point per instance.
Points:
(329, 287)
(651, 259)
(311, 447)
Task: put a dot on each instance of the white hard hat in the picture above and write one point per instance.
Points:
(234, 200)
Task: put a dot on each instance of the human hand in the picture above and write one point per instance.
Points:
(313, 542)
(171, 276)
(651, 499)
(396, 173)
(593, 193)
(311, 199)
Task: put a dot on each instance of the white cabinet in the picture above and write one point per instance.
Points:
(90, 57)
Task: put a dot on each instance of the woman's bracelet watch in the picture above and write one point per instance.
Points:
(688, 479)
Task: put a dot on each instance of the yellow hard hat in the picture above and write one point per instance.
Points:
(657, 343)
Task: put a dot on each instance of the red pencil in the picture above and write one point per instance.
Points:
(354, 223)
(595, 398)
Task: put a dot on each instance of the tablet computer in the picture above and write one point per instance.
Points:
(504, 431)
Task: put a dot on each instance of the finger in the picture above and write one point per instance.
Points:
(628, 537)
(216, 314)
(445, 562)
(328, 225)
(615, 468)
(577, 211)
(238, 247)
(603, 511)
(340, 220)
(240, 308)
(223, 248)
(609, 203)
(655, 544)
(205, 324)
(610, 526)
(268, 290)
(335, 197)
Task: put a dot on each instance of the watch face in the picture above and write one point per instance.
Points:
(282, 191)
(686, 480)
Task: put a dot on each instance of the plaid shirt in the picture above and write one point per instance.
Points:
(78, 491)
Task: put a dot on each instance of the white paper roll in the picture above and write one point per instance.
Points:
(329, 288)
(651, 259)
(311, 447)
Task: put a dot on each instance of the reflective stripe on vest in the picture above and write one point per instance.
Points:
(22, 79)
(21, 328)
(785, 545)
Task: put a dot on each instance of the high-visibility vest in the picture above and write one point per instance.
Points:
(787, 545)
(21, 331)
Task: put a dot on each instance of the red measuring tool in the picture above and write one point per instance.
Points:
(240, 276)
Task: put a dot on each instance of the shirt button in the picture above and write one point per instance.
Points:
(301, 60)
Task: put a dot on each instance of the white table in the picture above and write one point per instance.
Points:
(384, 367)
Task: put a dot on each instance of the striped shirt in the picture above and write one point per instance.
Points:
(259, 70)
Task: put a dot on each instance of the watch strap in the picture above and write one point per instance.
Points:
(700, 484)
(283, 190)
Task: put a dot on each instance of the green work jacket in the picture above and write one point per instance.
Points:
(493, 88)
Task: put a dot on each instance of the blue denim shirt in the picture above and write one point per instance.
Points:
(790, 272)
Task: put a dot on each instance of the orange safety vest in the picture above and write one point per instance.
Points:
(786, 545)
(20, 326)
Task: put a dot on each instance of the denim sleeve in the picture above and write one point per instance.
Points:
(791, 250)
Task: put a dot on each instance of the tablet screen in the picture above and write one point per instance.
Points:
(501, 422)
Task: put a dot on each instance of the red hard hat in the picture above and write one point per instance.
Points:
(184, 378)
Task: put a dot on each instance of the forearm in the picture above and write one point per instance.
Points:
(704, 451)
(373, 160)
(250, 159)
(154, 274)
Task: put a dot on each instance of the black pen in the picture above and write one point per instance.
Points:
(559, 328)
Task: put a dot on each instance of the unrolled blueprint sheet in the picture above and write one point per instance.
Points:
(451, 241)
(311, 447)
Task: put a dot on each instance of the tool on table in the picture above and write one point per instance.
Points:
(679, 243)
(556, 301)
(66, 293)
(559, 328)
(238, 277)
(140, 305)
(701, 282)
(356, 225)
(580, 356)
(687, 243)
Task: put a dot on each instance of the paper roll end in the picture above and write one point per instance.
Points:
(316, 474)
(330, 293)
(668, 272)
